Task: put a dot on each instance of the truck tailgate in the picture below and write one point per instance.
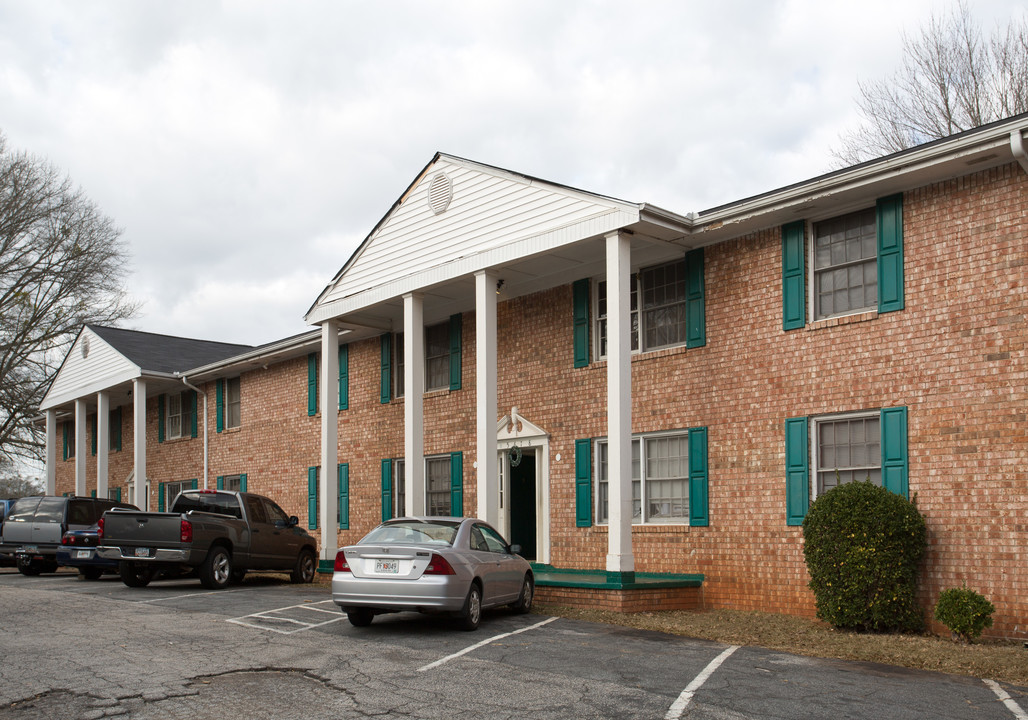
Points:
(141, 528)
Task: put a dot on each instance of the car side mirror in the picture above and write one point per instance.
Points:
(293, 521)
(515, 549)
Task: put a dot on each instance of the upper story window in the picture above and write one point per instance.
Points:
(657, 308)
(845, 264)
(178, 415)
(233, 415)
(438, 357)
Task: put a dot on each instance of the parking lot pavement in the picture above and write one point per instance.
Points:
(81, 649)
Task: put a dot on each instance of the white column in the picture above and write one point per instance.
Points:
(485, 397)
(103, 442)
(80, 446)
(619, 406)
(413, 403)
(329, 483)
(139, 442)
(51, 452)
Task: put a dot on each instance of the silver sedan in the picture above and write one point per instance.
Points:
(431, 564)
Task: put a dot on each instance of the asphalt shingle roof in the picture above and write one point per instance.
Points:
(164, 353)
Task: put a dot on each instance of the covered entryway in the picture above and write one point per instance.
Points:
(524, 450)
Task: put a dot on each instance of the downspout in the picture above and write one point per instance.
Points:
(204, 393)
(1017, 148)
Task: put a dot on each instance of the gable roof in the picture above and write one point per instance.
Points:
(165, 353)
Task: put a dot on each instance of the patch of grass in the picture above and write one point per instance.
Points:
(1005, 661)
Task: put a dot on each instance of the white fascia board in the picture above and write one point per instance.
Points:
(465, 266)
(281, 350)
(97, 386)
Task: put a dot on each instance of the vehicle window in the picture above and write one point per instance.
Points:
(490, 538)
(50, 509)
(436, 532)
(81, 512)
(23, 510)
(255, 509)
(275, 514)
(211, 502)
(477, 540)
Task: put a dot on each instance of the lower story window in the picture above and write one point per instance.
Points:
(172, 489)
(233, 483)
(437, 487)
(660, 479)
(848, 448)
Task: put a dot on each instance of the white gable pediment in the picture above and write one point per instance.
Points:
(90, 366)
(460, 217)
(512, 429)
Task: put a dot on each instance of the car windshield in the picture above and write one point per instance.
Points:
(400, 532)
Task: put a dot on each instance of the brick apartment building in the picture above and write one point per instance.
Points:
(619, 387)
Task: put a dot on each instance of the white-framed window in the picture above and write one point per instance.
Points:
(178, 415)
(172, 489)
(657, 308)
(846, 448)
(437, 359)
(844, 263)
(232, 483)
(233, 414)
(398, 364)
(660, 479)
(437, 487)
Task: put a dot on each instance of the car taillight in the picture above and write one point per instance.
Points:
(437, 565)
(186, 531)
(341, 563)
(65, 540)
(100, 529)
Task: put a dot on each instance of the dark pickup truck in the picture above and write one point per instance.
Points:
(219, 534)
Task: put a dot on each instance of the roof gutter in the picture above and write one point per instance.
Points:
(1017, 148)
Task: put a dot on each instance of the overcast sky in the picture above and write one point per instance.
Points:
(246, 148)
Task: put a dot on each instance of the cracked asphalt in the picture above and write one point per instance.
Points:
(75, 649)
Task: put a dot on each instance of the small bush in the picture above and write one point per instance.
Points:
(862, 545)
(964, 612)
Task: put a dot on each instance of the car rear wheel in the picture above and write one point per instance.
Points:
(471, 615)
(90, 573)
(216, 571)
(135, 575)
(524, 602)
(306, 567)
(360, 617)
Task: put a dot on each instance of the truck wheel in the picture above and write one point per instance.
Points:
(135, 575)
(28, 567)
(216, 571)
(306, 567)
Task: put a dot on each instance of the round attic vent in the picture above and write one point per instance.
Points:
(440, 192)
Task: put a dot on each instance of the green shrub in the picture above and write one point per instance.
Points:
(964, 612)
(863, 544)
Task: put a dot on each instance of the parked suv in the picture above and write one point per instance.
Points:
(6, 557)
(34, 526)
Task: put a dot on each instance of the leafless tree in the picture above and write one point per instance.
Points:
(15, 486)
(62, 265)
(952, 79)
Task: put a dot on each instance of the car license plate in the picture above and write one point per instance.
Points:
(142, 552)
(83, 554)
(30, 549)
(387, 566)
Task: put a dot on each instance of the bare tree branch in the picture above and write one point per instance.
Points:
(62, 265)
(951, 80)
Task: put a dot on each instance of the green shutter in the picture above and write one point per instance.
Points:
(695, 300)
(312, 384)
(699, 515)
(221, 482)
(117, 494)
(890, 253)
(92, 426)
(797, 473)
(192, 409)
(455, 347)
(219, 404)
(583, 483)
(160, 497)
(344, 496)
(794, 302)
(116, 430)
(387, 490)
(387, 368)
(242, 483)
(344, 377)
(457, 484)
(312, 498)
(64, 433)
(580, 314)
(894, 450)
(160, 418)
(193, 484)
(92, 493)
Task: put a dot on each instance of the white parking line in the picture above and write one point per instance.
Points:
(176, 597)
(678, 706)
(271, 616)
(466, 650)
(1007, 700)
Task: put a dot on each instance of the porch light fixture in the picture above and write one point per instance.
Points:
(499, 284)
